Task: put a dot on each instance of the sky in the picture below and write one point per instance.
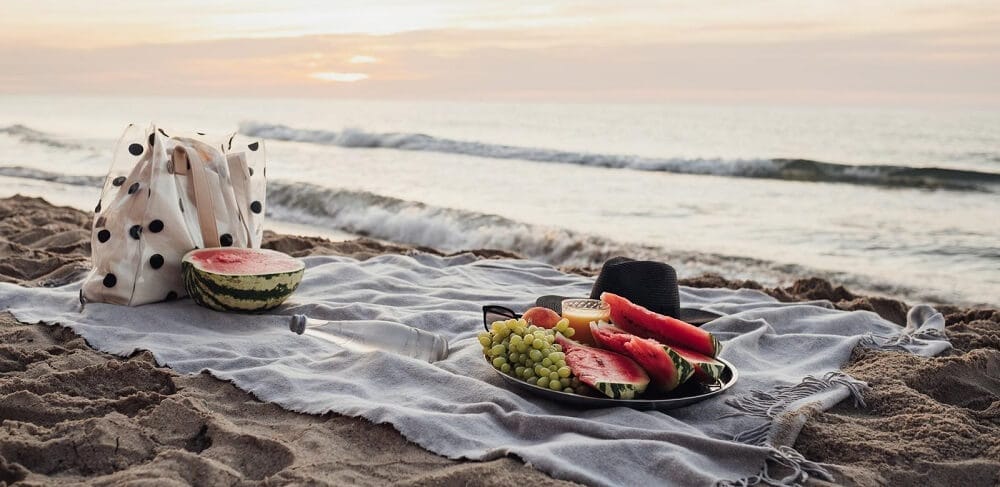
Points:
(906, 52)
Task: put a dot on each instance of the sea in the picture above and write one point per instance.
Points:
(890, 201)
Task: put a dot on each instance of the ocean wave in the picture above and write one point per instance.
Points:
(449, 229)
(29, 135)
(783, 169)
(41, 175)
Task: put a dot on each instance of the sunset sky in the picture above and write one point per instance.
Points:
(781, 51)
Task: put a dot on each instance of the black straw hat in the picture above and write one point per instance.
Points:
(650, 284)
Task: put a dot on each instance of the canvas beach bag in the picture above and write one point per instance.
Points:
(166, 194)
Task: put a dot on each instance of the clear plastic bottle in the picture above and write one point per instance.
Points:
(366, 336)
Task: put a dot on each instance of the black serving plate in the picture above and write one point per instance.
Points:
(688, 393)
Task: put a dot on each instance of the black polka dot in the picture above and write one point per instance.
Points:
(201, 133)
(110, 280)
(170, 166)
(97, 209)
(162, 132)
(135, 149)
(83, 300)
(103, 235)
(256, 207)
(254, 146)
(171, 296)
(231, 141)
(156, 261)
(133, 188)
(251, 170)
(152, 138)
(155, 226)
(120, 180)
(180, 202)
(135, 231)
(226, 240)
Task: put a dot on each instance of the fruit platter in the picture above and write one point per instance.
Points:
(605, 353)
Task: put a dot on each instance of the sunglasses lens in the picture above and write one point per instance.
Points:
(497, 313)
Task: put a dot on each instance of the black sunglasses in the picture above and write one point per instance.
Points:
(492, 312)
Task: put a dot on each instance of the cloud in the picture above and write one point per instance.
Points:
(340, 77)
(362, 59)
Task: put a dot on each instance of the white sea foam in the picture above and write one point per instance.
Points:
(787, 169)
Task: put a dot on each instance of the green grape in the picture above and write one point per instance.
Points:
(547, 362)
(538, 344)
(498, 350)
(564, 371)
(560, 364)
(554, 376)
(550, 338)
(569, 333)
(499, 361)
(536, 355)
(514, 357)
(529, 364)
(515, 339)
(557, 347)
(519, 370)
(557, 355)
(564, 382)
(505, 368)
(555, 385)
(543, 382)
(528, 373)
(531, 380)
(543, 371)
(522, 347)
(485, 340)
(568, 389)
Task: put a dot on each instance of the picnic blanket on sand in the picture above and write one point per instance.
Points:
(788, 355)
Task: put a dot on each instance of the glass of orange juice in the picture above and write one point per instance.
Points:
(580, 312)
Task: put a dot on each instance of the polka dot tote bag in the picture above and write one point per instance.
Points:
(166, 194)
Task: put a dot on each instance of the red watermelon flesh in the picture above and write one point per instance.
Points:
(640, 321)
(665, 367)
(612, 374)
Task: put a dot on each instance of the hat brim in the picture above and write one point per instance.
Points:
(693, 316)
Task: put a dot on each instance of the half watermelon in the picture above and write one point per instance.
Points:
(647, 324)
(667, 368)
(237, 279)
(612, 374)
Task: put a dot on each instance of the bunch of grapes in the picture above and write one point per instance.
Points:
(530, 353)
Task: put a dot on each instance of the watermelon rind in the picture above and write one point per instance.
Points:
(239, 292)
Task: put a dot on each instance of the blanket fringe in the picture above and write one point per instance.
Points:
(769, 404)
(802, 471)
(899, 341)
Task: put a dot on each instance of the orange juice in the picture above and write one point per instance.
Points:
(580, 312)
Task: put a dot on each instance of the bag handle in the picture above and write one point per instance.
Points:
(184, 159)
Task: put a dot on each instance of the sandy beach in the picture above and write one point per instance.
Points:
(71, 414)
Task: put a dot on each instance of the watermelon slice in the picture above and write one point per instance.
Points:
(612, 374)
(706, 369)
(667, 368)
(642, 322)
